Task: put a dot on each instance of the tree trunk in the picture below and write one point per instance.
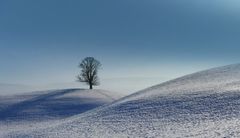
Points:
(90, 86)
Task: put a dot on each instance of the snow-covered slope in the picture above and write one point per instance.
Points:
(204, 104)
(25, 110)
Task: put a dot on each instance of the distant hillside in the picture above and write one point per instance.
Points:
(203, 104)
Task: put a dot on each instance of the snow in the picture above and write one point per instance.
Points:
(203, 104)
(30, 110)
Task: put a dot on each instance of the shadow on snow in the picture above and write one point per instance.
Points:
(47, 106)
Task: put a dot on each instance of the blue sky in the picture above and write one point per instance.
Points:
(137, 41)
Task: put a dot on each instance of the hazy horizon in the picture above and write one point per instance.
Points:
(139, 43)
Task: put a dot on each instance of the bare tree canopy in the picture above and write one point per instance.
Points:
(89, 71)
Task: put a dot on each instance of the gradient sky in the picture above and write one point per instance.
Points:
(139, 42)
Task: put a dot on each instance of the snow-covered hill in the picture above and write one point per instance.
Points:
(27, 110)
(204, 104)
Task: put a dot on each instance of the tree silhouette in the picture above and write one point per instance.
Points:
(89, 71)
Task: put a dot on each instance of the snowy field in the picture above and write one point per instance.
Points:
(38, 109)
(204, 104)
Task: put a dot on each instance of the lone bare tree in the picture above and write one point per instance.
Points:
(89, 71)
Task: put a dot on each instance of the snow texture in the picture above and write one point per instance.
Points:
(26, 110)
(203, 104)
